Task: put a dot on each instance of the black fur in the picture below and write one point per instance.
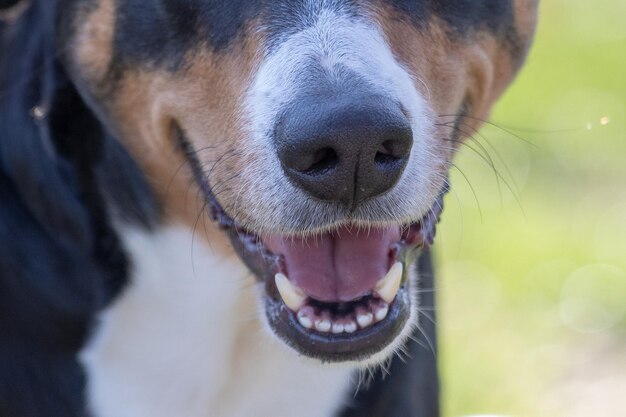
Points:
(5, 4)
(464, 18)
(60, 260)
(162, 31)
(461, 16)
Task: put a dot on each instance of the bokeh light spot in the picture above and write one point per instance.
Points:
(475, 297)
(610, 232)
(592, 298)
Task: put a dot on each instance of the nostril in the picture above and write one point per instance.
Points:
(385, 158)
(323, 161)
(390, 151)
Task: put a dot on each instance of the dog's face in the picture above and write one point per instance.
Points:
(319, 133)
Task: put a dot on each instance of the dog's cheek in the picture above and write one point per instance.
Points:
(488, 73)
(214, 119)
(202, 100)
(494, 62)
(140, 103)
(460, 73)
(437, 67)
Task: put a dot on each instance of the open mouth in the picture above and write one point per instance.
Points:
(342, 295)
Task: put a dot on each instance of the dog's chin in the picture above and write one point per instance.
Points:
(342, 296)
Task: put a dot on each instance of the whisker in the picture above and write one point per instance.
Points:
(480, 211)
(500, 177)
(419, 342)
(487, 157)
(497, 126)
(193, 235)
(498, 155)
(422, 312)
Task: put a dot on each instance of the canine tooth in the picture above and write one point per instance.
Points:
(322, 325)
(387, 288)
(381, 312)
(337, 328)
(293, 296)
(364, 318)
(349, 327)
(304, 319)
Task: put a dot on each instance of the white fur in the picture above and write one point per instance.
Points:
(184, 340)
(331, 41)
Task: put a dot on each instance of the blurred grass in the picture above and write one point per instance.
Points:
(532, 286)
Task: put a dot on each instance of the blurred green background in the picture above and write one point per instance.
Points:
(532, 268)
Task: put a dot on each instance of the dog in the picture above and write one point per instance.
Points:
(223, 208)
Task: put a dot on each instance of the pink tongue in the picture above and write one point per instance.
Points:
(338, 266)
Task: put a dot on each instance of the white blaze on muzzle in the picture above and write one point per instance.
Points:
(325, 52)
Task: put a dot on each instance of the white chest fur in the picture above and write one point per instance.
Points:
(185, 340)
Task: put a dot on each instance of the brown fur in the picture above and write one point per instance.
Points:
(205, 97)
(451, 71)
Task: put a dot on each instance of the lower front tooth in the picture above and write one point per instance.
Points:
(381, 312)
(304, 317)
(364, 319)
(337, 328)
(322, 325)
(349, 327)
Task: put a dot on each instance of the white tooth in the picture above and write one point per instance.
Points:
(364, 319)
(349, 327)
(304, 319)
(381, 312)
(337, 328)
(293, 296)
(322, 325)
(387, 288)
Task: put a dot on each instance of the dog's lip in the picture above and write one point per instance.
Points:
(330, 347)
(326, 346)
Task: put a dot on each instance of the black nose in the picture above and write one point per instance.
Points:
(344, 148)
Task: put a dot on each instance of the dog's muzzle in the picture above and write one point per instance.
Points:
(343, 293)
